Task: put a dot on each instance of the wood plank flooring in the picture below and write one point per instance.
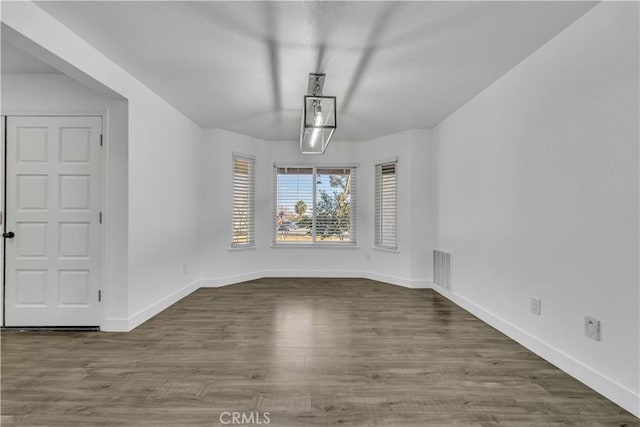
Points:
(310, 352)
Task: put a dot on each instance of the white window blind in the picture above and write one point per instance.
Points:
(243, 201)
(314, 205)
(386, 205)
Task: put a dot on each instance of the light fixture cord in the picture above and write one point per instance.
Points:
(316, 89)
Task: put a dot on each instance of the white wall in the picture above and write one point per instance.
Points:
(163, 180)
(423, 213)
(537, 195)
(164, 189)
(220, 265)
(535, 191)
(416, 237)
(59, 94)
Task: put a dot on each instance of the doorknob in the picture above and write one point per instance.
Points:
(9, 235)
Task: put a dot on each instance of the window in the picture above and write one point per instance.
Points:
(243, 201)
(314, 205)
(386, 214)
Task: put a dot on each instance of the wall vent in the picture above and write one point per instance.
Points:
(442, 269)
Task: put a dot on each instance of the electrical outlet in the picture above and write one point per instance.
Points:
(185, 268)
(592, 327)
(536, 306)
(368, 257)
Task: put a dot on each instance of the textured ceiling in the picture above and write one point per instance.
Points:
(243, 66)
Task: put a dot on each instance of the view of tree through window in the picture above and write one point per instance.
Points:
(314, 205)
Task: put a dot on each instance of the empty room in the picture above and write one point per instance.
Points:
(320, 213)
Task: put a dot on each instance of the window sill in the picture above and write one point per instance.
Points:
(242, 248)
(312, 246)
(389, 250)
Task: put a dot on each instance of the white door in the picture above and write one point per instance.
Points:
(53, 203)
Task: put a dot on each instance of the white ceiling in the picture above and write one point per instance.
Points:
(17, 61)
(243, 66)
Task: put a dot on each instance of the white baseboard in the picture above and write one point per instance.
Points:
(312, 273)
(115, 324)
(130, 323)
(230, 280)
(607, 387)
(399, 281)
(393, 280)
(421, 284)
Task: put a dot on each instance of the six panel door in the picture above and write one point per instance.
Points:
(53, 208)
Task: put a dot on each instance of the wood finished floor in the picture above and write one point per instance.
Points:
(311, 352)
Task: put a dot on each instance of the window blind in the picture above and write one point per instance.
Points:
(386, 205)
(243, 201)
(314, 205)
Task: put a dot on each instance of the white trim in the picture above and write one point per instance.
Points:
(383, 249)
(3, 215)
(421, 284)
(132, 322)
(105, 273)
(115, 324)
(337, 274)
(599, 382)
(392, 280)
(349, 274)
(317, 165)
(393, 159)
(37, 112)
(398, 281)
(230, 280)
(241, 248)
(243, 155)
(305, 245)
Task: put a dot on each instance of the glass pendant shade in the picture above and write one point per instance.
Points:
(318, 123)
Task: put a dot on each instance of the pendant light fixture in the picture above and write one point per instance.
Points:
(318, 117)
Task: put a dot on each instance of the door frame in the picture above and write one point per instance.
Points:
(104, 199)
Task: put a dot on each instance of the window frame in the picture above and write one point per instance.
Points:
(379, 241)
(250, 203)
(316, 243)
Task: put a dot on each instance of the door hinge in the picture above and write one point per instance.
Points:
(99, 296)
(100, 217)
(100, 140)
